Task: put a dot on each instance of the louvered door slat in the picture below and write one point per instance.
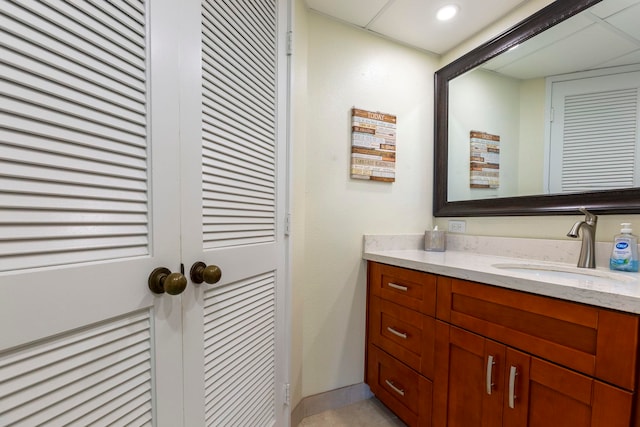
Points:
(61, 189)
(40, 173)
(241, 179)
(59, 160)
(68, 99)
(60, 381)
(109, 402)
(65, 66)
(49, 217)
(102, 30)
(85, 151)
(121, 74)
(109, 19)
(238, 121)
(73, 126)
(131, 11)
(226, 76)
(226, 39)
(78, 398)
(24, 98)
(66, 120)
(246, 38)
(592, 121)
(234, 372)
(234, 168)
(239, 351)
(247, 189)
(227, 130)
(99, 92)
(261, 34)
(231, 144)
(259, 131)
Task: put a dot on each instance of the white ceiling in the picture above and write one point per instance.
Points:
(414, 22)
(605, 35)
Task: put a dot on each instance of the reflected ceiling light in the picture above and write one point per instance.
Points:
(447, 12)
(515, 46)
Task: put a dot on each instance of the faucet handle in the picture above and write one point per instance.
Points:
(589, 217)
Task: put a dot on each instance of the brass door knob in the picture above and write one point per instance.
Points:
(201, 272)
(162, 280)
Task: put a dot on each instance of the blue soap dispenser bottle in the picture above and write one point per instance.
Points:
(624, 254)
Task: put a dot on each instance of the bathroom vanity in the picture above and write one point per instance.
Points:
(457, 339)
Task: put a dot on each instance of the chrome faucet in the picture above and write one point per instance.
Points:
(587, 229)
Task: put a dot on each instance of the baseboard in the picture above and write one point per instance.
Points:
(332, 399)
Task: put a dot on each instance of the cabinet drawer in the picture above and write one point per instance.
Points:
(402, 389)
(597, 342)
(409, 288)
(405, 334)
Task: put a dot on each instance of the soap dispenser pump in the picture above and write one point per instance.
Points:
(624, 254)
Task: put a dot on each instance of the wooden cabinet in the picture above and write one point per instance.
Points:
(401, 340)
(466, 354)
(480, 382)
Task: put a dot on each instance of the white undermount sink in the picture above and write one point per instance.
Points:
(560, 271)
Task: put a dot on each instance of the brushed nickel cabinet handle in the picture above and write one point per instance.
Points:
(489, 381)
(513, 372)
(398, 287)
(402, 335)
(396, 389)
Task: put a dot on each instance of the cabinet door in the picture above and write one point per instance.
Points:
(541, 394)
(469, 384)
(407, 393)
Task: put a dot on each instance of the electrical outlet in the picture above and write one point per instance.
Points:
(457, 226)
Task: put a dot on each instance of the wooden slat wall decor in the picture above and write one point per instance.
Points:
(373, 145)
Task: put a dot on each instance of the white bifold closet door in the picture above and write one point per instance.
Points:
(89, 131)
(595, 132)
(234, 162)
(139, 134)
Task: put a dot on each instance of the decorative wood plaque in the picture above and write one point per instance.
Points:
(485, 160)
(373, 145)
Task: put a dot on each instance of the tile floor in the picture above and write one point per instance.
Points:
(366, 413)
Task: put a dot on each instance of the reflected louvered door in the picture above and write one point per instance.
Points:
(233, 189)
(89, 206)
(595, 133)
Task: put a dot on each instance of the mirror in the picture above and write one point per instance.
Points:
(516, 122)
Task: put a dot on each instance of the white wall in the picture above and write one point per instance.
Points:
(298, 189)
(347, 67)
(511, 108)
(531, 147)
(483, 101)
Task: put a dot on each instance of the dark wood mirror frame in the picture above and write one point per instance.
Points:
(600, 202)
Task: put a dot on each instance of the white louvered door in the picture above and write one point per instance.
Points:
(89, 206)
(234, 194)
(595, 133)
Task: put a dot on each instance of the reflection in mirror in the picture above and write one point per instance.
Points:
(550, 119)
(582, 146)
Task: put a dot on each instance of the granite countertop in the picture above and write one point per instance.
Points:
(475, 258)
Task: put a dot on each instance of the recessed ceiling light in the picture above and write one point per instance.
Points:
(447, 12)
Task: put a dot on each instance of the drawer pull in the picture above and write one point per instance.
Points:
(398, 287)
(396, 389)
(490, 363)
(402, 335)
(513, 372)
